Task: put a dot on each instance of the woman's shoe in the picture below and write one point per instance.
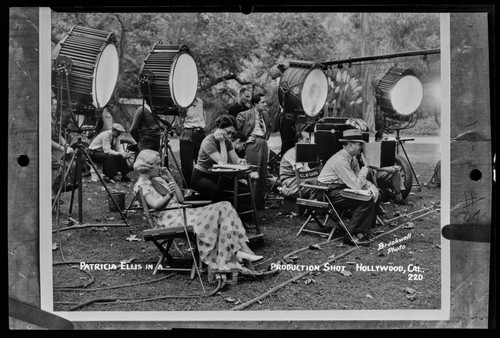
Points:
(252, 258)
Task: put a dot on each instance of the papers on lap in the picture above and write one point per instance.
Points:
(230, 167)
(358, 192)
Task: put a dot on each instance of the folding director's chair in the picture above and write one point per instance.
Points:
(323, 203)
(315, 203)
(163, 239)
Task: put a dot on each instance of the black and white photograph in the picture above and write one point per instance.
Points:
(221, 169)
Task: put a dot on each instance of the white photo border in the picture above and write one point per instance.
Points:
(46, 282)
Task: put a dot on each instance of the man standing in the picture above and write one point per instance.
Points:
(288, 165)
(145, 129)
(242, 104)
(106, 149)
(191, 136)
(255, 124)
(342, 171)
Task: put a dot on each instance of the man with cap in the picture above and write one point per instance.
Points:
(105, 148)
(342, 171)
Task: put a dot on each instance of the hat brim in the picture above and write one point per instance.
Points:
(351, 140)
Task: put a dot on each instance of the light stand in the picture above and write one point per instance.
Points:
(403, 162)
(146, 78)
(302, 92)
(399, 94)
(165, 149)
(82, 155)
(62, 66)
(400, 144)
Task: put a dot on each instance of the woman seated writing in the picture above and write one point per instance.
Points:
(220, 235)
(216, 148)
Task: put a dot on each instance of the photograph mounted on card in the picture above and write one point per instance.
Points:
(201, 254)
(104, 259)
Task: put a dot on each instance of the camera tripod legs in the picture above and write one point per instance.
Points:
(165, 160)
(81, 155)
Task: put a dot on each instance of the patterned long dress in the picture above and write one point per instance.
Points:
(217, 226)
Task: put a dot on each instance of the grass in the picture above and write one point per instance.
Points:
(326, 290)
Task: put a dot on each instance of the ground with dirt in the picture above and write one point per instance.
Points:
(410, 245)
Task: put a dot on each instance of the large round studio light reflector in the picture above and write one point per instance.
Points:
(303, 88)
(105, 76)
(174, 80)
(400, 92)
(184, 80)
(314, 91)
(93, 59)
(407, 95)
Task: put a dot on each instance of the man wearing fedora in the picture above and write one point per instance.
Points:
(105, 148)
(342, 171)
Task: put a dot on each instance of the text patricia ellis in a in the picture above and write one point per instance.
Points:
(112, 266)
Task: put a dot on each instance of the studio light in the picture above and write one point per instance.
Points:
(169, 78)
(85, 66)
(399, 93)
(303, 88)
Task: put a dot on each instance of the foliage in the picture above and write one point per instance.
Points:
(424, 126)
(345, 94)
(244, 47)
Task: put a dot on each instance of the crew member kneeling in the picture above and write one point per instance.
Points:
(105, 149)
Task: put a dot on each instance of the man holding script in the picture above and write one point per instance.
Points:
(342, 171)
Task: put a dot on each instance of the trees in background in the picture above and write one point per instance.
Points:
(233, 49)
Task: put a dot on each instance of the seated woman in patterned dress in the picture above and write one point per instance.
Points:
(220, 235)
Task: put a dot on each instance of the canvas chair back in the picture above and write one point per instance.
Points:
(305, 178)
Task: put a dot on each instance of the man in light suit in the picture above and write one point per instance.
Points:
(256, 125)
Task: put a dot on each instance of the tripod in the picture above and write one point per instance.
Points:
(274, 165)
(80, 156)
(436, 176)
(165, 149)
